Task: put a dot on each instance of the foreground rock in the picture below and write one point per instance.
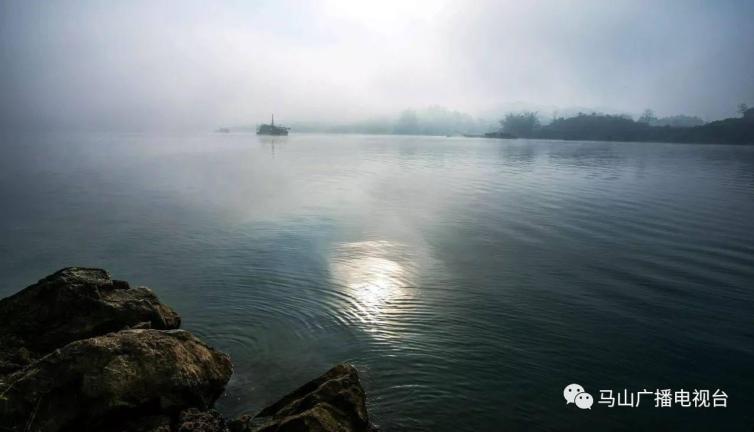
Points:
(107, 379)
(72, 304)
(194, 420)
(333, 402)
(80, 351)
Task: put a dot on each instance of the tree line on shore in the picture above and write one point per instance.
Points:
(607, 127)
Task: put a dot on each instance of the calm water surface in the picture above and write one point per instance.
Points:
(469, 280)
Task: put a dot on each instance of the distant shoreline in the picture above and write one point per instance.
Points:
(582, 127)
(482, 136)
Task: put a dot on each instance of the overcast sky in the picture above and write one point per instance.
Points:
(134, 65)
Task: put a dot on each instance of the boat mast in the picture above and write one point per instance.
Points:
(273, 119)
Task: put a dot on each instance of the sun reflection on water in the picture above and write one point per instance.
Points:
(373, 273)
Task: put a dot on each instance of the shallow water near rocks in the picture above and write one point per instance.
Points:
(469, 280)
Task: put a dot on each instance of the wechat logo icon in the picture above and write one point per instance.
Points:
(575, 394)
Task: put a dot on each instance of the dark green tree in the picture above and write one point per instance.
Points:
(523, 124)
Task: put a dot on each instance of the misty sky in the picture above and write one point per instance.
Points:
(136, 65)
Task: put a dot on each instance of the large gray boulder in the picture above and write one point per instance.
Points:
(334, 402)
(81, 351)
(71, 304)
(105, 380)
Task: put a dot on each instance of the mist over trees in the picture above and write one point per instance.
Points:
(434, 120)
(651, 119)
(678, 121)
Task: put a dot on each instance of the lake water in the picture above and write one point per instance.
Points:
(469, 280)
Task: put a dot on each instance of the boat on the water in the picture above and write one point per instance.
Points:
(271, 129)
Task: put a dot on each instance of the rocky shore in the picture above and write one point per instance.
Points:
(80, 351)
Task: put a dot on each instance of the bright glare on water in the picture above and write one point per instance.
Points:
(469, 280)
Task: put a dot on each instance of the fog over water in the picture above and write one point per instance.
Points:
(173, 65)
(469, 280)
